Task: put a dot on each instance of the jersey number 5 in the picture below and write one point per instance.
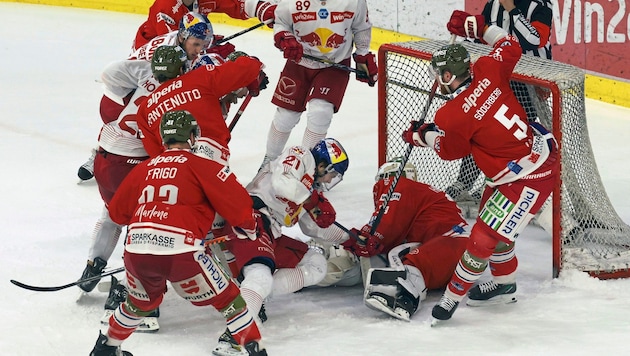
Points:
(521, 126)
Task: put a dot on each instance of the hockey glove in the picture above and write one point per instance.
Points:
(464, 24)
(367, 64)
(259, 84)
(223, 49)
(251, 231)
(365, 245)
(320, 209)
(416, 132)
(289, 45)
(265, 12)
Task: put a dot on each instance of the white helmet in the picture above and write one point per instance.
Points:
(389, 169)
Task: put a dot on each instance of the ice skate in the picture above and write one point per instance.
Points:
(92, 269)
(443, 310)
(229, 347)
(102, 349)
(86, 171)
(490, 293)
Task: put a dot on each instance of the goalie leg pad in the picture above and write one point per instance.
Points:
(395, 292)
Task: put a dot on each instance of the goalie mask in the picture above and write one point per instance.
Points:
(390, 168)
(335, 157)
(453, 58)
(176, 126)
(197, 26)
(167, 62)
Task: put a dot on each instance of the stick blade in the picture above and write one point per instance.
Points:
(36, 288)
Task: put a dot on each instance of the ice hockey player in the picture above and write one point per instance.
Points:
(518, 157)
(283, 191)
(303, 83)
(164, 15)
(169, 203)
(197, 92)
(422, 235)
(128, 82)
(120, 80)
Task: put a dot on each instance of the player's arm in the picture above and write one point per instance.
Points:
(534, 33)
(120, 78)
(164, 17)
(125, 201)
(292, 179)
(233, 75)
(225, 193)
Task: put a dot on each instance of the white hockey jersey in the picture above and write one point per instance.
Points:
(120, 78)
(283, 185)
(326, 29)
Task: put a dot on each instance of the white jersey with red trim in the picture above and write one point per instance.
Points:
(284, 184)
(325, 29)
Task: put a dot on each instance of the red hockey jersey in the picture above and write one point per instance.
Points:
(198, 92)
(416, 213)
(487, 120)
(169, 203)
(165, 15)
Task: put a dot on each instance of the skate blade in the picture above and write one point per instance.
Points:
(82, 294)
(104, 286)
(498, 300)
(148, 325)
(435, 322)
(374, 304)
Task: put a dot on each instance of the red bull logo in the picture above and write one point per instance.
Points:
(324, 39)
(336, 153)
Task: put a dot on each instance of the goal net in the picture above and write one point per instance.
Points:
(588, 235)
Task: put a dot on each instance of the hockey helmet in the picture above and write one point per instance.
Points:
(197, 26)
(176, 126)
(453, 58)
(334, 156)
(167, 62)
(389, 169)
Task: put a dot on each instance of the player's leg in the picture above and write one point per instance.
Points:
(290, 98)
(328, 88)
(298, 266)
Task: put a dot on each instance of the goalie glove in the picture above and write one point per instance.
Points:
(416, 133)
(466, 25)
(320, 209)
(367, 64)
(365, 244)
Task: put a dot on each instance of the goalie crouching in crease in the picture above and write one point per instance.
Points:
(421, 236)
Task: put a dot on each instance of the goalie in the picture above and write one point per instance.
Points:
(423, 234)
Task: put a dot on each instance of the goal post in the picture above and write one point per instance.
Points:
(588, 234)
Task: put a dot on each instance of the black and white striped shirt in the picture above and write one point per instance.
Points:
(518, 23)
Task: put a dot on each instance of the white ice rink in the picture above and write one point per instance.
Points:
(51, 59)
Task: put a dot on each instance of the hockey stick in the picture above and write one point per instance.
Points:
(56, 288)
(225, 39)
(239, 113)
(361, 74)
(104, 274)
(376, 220)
